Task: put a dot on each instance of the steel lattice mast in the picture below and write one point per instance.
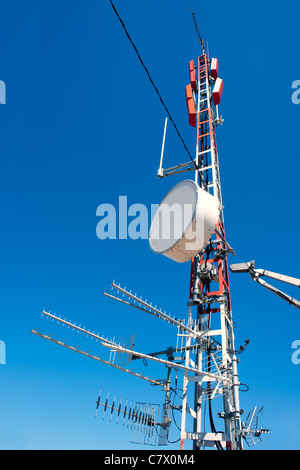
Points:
(211, 305)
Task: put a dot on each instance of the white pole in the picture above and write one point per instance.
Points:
(160, 171)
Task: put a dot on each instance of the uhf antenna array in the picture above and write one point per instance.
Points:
(208, 365)
(251, 432)
(141, 418)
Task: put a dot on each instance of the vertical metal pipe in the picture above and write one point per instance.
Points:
(160, 171)
(185, 385)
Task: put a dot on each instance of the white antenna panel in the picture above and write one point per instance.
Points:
(184, 222)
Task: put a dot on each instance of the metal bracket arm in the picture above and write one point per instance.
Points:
(278, 292)
(256, 275)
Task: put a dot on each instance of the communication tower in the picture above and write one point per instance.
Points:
(209, 305)
(205, 339)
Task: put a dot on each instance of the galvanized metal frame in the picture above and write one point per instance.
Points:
(218, 301)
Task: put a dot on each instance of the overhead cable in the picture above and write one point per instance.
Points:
(153, 84)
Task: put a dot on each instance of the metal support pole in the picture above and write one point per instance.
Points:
(185, 385)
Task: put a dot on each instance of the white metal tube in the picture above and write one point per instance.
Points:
(72, 348)
(162, 361)
(279, 277)
(185, 387)
(160, 171)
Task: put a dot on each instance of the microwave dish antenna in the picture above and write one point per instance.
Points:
(184, 222)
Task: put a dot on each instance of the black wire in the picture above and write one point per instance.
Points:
(156, 430)
(211, 421)
(244, 385)
(174, 442)
(212, 425)
(173, 390)
(198, 33)
(154, 86)
(175, 420)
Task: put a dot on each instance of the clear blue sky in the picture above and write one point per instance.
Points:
(81, 127)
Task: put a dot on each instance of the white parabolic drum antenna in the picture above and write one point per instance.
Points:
(184, 222)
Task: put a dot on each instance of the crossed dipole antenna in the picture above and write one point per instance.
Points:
(252, 433)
